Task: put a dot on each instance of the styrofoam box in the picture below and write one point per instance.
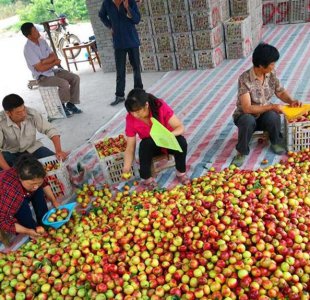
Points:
(299, 11)
(164, 43)
(202, 4)
(224, 10)
(202, 20)
(147, 44)
(282, 11)
(237, 28)
(177, 6)
(180, 22)
(185, 60)
(144, 8)
(183, 41)
(158, 7)
(208, 39)
(239, 49)
(161, 24)
(210, 58)
(166, 61)
(297, 135)
(268, 12)
(59, 179)
(144, 27)
(149, 62)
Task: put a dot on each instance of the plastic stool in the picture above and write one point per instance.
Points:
(162, 162)
(52, 103)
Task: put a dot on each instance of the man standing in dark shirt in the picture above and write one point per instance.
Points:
(121, 16)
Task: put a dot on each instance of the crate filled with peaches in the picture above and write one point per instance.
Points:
(110, 151)
(57, 176)
(297, 132)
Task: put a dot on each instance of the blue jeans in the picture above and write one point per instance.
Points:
(120, 62)
(39, 153)
(269, 121)
(24, 215)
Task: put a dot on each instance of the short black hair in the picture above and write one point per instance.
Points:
(11, 102)
(26, 28)
(265, 54)
(28, 167)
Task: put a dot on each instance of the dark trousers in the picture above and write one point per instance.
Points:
(24, 215)
(39, 153)
(269, 121)
(120, 62)
(148, 150)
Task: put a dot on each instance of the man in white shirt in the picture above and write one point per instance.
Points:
(44, 66)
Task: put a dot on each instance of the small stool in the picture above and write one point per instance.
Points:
(162, 162)
(52, 103)
(261, 136)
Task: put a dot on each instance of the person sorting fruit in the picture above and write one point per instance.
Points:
(141, 106)
(20, 185)
(254, 110)
(18, 127)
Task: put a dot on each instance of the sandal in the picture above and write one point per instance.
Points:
(183, 179)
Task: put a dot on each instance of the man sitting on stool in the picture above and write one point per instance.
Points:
(41, 61)
(18, 128)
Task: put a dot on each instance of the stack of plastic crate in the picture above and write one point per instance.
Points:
(299, 11)
(182, 34)
(147, 47)
(268, 11)
(238, 37)
(207, 32)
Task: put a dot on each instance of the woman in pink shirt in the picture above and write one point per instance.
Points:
(141, 106)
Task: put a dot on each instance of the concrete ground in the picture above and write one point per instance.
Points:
(97, 88)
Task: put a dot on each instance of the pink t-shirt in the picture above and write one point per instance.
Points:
(135, 126)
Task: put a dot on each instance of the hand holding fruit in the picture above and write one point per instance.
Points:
(126, 175)
(296, 103)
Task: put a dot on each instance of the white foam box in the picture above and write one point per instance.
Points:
(210, 58)
(208, 39)
(239, 49)
(185, 60)
(237, 28)
(205, 19)
(166, 61)
(183, 41)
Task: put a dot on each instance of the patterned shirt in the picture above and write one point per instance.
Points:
(12, 195)
(260, 93)
(20, 139)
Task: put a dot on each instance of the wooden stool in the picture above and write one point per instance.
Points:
(162, 162)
